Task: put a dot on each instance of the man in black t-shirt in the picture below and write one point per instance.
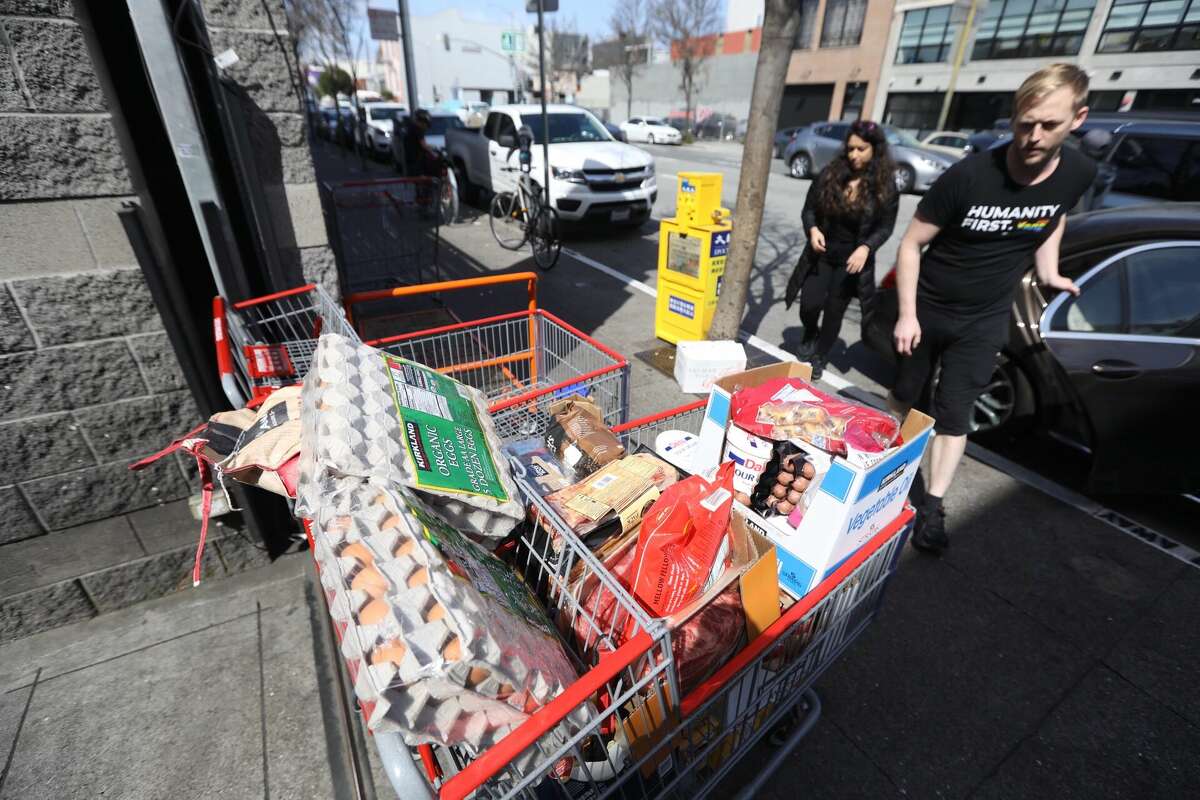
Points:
(982, 221)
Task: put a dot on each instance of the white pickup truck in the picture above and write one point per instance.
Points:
(592, 175)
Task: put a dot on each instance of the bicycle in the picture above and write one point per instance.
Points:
(519, 217)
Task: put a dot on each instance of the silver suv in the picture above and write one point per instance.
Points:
(917, 166)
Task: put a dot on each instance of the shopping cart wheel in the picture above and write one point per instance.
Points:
(808, 708)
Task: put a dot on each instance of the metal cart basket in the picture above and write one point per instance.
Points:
(644, 740)
(268, 342)
(522, 361)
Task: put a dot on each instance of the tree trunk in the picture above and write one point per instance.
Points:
(781, 19)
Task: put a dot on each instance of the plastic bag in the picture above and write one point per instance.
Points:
(789, 408)
(684, 542)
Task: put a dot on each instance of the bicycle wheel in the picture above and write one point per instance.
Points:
(507, 219)
(448, 201)
(543, 237)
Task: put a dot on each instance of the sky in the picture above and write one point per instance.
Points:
(590, 16)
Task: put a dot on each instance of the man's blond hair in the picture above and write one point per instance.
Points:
(1050, 79)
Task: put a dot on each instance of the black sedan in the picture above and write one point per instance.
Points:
(1114, 372)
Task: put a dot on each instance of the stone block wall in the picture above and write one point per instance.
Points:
(88, 378)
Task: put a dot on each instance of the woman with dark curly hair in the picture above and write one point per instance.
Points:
(849, 213)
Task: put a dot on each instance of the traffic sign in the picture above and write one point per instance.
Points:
(531, 6)
(385, 25)
(512, 41)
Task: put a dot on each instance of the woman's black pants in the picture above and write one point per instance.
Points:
(827, 290)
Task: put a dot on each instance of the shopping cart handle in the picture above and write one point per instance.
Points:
(528, 278)
(500, 755)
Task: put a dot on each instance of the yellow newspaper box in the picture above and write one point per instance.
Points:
(692, 247)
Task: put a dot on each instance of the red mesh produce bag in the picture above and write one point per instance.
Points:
(789, 408)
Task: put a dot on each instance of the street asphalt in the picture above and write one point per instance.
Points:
(1046, 654)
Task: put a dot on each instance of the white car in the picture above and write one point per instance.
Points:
(651, 130)
(593, 177)
(374, 129)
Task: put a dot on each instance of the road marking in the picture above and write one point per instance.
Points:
(997, 462)
(836, 381)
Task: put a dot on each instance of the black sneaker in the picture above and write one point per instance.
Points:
(818, 367)
(807, 349)
(929, 534)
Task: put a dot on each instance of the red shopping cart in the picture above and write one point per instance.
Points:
(695, 740)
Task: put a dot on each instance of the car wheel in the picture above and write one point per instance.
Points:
(906, 178)
(800, 166)
(1007, 405)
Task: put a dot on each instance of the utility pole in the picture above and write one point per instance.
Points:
(541, 4)
(410, 70)
(960, 52)
(781, 20)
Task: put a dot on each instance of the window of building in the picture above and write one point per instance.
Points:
(843, 23)
(913, 110)
(926, 37)
(808, 25)
(1147, 25)
(1032, 28)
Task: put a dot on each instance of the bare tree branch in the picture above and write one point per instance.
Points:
(687, 26)
(629, 27)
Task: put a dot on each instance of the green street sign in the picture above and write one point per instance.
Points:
(511, 41)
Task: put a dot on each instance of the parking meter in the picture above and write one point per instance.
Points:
(524, 146)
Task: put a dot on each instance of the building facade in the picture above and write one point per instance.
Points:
(1140, 54)
(458, 58)
(833, 72)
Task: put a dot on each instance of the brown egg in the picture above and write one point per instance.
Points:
(784, 477)
(405, 548)
(779, 491)
(453, 650)
(418, 578)
(742, 498)
(808, 470)
(793, 497)
(800, 484)
(476, 676)
(369, 580)
(373, 612)
(436, 612)
(784, 507)
(392, 651)
(359, 552)
(771, 501)
(392, 521)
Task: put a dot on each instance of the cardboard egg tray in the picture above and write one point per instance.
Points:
(442, 646)
(354, 424)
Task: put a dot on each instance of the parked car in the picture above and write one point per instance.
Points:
(435, 137)
(917, 167)
(650, 130)
(592, 176)
(783, 137)
(614, 130)
(1115, 371)
(952, 143)
(327, 124)
(717, 126)
(1150, 161)
(374, 129)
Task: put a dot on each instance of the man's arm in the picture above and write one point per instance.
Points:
(908, 266)
(1046, 261)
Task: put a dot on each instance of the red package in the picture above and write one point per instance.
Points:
(680, 546)
(789, 408)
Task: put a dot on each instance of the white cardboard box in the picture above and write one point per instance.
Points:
(851, 503)
(698, 364)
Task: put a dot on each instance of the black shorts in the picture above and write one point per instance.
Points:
(967, 350)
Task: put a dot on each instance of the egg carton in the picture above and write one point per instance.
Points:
(439, 659)
(351, 427)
